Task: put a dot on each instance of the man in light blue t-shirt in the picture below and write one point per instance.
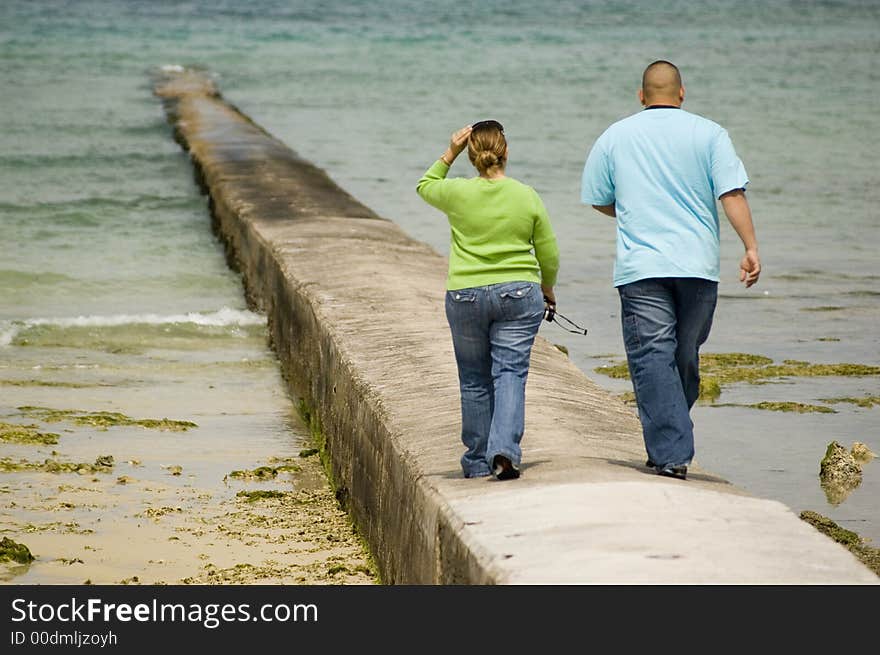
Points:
(660, 173)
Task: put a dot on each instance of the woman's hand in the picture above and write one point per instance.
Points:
(459, 139)
(457, 143)
(549, 296)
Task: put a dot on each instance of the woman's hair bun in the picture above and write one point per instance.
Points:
(487, 148)
(486, 159)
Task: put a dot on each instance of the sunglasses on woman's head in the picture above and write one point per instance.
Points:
(485, 124)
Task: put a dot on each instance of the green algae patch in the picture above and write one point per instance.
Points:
(829, 528)
(8, 465)
(760, 372)
(254, 496)
(724, 360)
(620, 370)
(863, 401)
(29, 434)
(46, 383)
(308, 452)
(710, 389)
(720, 369)
(561, 348)
(313, 421)
(785, 406)
(264, 472)
(104, 420)
(12, 551)
(102, 464)
(866, 554)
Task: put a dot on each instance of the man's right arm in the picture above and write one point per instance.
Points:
(608, 210)
(736, 207)
(597, 182)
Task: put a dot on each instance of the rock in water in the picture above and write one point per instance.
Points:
(839, 473)
(861, 453)
(13, 551)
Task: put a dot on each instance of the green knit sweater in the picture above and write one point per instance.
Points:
(500, 231)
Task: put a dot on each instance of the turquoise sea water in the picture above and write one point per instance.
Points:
(109, 256)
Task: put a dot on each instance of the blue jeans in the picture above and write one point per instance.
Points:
(493, 329)
(665, 321)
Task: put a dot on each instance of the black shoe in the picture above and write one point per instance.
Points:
(650, 464)
(671, 471)
(504, 469)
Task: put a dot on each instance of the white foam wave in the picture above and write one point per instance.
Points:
(8, 330)
(172, 68)
(221, 318)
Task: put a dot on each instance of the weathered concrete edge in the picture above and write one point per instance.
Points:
(354, 425)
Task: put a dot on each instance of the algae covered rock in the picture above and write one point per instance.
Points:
(104, 462)
(253, 496)
(839, 465)
(868, 555)
(839, 473)
(861, 453)
(14, 551)
(829, 528)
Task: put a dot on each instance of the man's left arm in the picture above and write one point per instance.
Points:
(738, 212)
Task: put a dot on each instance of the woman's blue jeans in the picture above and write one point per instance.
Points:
(493, 329)
(665, 321)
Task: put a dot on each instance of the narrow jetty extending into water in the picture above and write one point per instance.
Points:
(355, 312)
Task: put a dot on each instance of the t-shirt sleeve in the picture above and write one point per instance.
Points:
(728, 172)
(597, 182)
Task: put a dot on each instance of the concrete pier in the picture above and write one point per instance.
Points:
(355, 311)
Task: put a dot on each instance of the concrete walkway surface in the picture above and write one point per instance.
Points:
(355, 311)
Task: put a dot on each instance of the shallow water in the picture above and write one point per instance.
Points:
(167, 511)
(104, 220)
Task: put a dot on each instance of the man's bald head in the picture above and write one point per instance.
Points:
(661, 84)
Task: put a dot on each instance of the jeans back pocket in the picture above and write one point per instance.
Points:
(519, 291)
(462, 295)
(521, 301)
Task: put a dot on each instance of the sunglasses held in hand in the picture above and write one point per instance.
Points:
(551, 315)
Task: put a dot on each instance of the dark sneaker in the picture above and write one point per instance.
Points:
(504, 469)
(670, 471)
(650, 464)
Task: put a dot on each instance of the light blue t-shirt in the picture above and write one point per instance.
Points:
(663, 169)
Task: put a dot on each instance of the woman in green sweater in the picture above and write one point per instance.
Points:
(503, 255)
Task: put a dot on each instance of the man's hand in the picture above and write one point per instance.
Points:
(740, 216)
(749, 268)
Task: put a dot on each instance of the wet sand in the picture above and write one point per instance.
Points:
(170, 510)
